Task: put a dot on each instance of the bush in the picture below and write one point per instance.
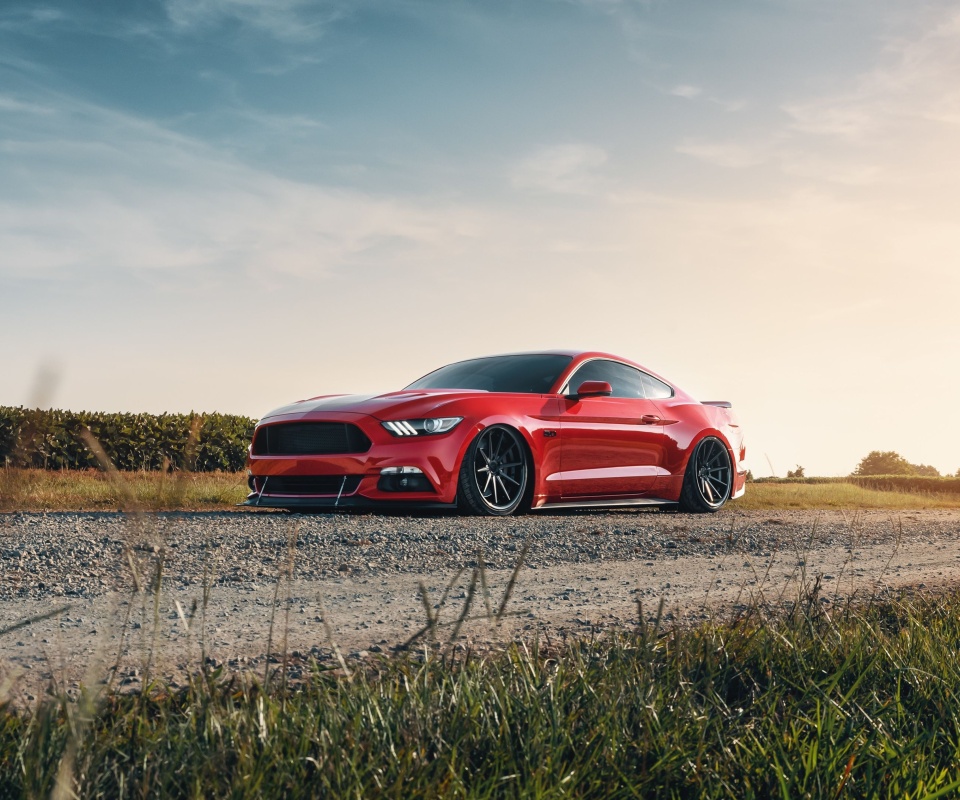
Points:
(52, 440)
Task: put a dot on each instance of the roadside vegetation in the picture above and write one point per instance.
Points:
(811, 700)
(841, 493)
(96, 490)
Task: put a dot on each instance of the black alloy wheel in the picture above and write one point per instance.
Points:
(494, 473)
(708, 481)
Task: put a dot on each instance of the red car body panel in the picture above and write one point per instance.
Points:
(581, 450)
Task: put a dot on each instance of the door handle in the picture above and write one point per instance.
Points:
(650, 419)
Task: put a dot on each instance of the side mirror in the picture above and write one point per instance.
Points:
(594, 389)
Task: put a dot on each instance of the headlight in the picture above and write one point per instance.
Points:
(422, 427)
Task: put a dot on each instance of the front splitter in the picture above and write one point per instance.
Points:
(335, 503)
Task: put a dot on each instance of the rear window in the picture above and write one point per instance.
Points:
(655, 389)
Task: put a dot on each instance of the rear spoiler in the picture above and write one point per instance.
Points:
(717, 403)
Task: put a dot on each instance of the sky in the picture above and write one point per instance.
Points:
(226, 205)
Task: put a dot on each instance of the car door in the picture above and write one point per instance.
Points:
(611, 446)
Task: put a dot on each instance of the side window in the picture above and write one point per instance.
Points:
(655, 390)
(625, 381)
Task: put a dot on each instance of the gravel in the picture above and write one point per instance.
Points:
(83, 555)
(69, 608)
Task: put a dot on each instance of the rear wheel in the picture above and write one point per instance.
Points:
(709, 478)
(494, 473)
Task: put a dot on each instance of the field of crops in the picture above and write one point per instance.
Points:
(55, 440)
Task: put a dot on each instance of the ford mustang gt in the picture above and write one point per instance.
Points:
(504, 434)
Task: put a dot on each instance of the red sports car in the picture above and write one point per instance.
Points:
(504, 434)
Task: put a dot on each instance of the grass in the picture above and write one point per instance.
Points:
(771, 496)
(853, 702)
(73, 490)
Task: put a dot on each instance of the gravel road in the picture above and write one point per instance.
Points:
(355, 579)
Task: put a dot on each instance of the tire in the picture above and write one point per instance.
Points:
(708, 480)
(494, 474)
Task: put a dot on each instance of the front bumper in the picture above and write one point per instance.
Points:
(436, 456)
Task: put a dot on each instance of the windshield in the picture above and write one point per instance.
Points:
(535, 373)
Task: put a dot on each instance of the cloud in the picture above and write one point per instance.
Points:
(893, 125)
(286, 20)
(565, 169)
(685, 90)
(13, 105)
(729, 105)
(732, 155)
(87, 186)
(25, 19)
(919, 79)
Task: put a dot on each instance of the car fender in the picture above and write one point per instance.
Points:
(537, 447)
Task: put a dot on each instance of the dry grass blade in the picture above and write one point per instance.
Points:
(425, 602)
(203, 606)
(107, 466)
(180, 482)
(446, 592)
(432, 619)
(134, 572)
(155, 589)
(292, 533)
(481, 565)
(273, 617)
(333, 643)
(31, 620)
(124, 626)
(181, 615)
(508, 592)
(471, 591)
(893, 553)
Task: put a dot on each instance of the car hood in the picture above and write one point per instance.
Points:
(393, 405)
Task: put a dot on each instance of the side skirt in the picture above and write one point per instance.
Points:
(639, 501)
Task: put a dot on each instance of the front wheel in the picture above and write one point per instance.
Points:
(494, 473)
(708, 481)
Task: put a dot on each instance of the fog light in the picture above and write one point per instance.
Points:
(403, 479)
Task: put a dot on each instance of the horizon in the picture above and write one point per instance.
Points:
(227, 205)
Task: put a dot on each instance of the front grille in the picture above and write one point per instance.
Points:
(309, 484)
(309, 439)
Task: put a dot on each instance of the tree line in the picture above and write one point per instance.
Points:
(888, 462)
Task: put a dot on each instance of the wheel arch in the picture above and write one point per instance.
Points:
(705, 433)
(526, 437)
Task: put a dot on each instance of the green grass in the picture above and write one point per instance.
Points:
(855, 702)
